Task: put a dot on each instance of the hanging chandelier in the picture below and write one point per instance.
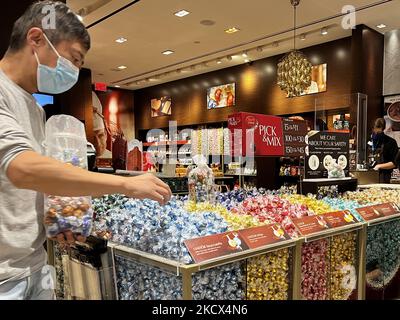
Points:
(294, 70)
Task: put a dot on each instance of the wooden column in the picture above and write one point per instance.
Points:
(367, 68)
(77, 102)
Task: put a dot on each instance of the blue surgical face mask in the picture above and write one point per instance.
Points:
(59, 79)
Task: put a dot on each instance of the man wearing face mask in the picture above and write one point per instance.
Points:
(45, 60)
(386, 149)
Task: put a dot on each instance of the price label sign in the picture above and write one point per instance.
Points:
(378, 211)
(223, 244)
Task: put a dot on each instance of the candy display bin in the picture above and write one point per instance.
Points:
(331, 264)
(382, 279)
(83, 272)
(383, 245)
(263, 273)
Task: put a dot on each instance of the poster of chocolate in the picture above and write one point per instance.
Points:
(113, 123)
(392, 117)
(161, 107)
(327, 155)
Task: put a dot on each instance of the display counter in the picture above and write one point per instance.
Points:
(332, 264)
(381, 212)
(366, 176)
(358, 258)
(311, 186)
(263, 273)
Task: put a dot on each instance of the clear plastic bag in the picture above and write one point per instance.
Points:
(201, 181)
(335, 170)
(66, 142)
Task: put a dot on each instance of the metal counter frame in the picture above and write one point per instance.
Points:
(187, 271)
(109, 280)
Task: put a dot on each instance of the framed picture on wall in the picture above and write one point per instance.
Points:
(161, 107)
(221, 96)
(392, 117)
(318, 79)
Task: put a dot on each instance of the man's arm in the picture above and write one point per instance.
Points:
(29, 170)
(385, 166)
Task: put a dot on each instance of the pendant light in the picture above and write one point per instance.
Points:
(294, 70)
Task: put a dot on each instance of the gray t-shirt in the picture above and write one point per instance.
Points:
(22, 128)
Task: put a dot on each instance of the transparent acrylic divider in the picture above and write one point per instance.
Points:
(356, 105)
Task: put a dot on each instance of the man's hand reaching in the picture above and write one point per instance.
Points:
(147, 186)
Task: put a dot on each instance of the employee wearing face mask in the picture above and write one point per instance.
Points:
(45, 60)
(385, 149)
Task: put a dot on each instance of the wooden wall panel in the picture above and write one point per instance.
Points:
(10, 12)
(77, 102)
(256, 89)
(367, 68)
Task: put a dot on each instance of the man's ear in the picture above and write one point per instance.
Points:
(35, 38)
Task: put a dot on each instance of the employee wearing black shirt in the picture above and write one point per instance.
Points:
(386, 149)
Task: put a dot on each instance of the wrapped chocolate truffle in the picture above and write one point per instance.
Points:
(66, 142)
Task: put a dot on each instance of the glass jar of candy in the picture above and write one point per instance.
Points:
(201, 181)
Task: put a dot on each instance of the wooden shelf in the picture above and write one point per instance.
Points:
(289, 177)
(166, 143)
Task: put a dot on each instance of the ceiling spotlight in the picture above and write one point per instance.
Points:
(219, 61)
(259, 49)
(181, 13)
(232, 30)
(207, 23)
(167, 52)
(117, 86)
(244, 54)
(137, 83)
(275, 44)
(121, 40)
(324, 31)
(122, 67)
(79, 17)
(381, 26)
(247, 60)
(303, 36)
(229, 58)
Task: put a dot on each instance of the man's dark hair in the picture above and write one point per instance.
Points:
(380, 123)
(67, 25)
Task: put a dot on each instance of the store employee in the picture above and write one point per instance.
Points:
(386, 150)
(47, 60)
